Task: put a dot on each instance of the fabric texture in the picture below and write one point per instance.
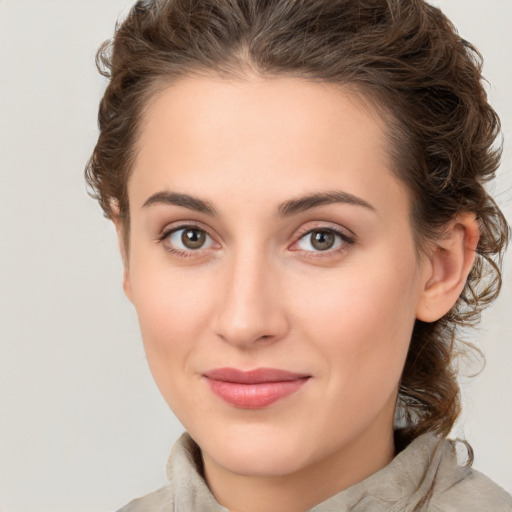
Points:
(424, 477)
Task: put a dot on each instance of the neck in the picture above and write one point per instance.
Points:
(299, 491)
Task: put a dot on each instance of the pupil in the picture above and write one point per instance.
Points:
(193, 238)
(322, 240)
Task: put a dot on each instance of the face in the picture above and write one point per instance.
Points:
(273, 269)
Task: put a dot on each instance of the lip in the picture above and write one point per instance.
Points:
(254, 389)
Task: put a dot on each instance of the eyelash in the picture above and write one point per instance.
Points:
(168, 232)
(346, 240)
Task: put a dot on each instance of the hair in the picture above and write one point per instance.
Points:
(405, 57)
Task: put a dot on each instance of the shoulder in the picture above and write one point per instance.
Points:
(157, 501)
(447, 484)
(473, 492)
(186, 489)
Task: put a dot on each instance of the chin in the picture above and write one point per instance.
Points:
(257, 462)
(260, 450)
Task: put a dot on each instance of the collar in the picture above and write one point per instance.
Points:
(404, 485)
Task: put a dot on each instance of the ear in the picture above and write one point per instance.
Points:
(118, 223)
(448, 267)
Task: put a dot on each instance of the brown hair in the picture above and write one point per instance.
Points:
(403, 55)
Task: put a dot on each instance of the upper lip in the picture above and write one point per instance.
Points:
(256, 376)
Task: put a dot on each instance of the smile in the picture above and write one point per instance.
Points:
(254, 389)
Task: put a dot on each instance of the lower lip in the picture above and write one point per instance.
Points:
(255, 396)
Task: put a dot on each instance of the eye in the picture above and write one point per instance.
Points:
(321, 240)
(186, 239)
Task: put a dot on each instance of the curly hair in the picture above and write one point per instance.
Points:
(403, 56)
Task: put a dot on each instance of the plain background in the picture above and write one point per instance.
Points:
(82, 426)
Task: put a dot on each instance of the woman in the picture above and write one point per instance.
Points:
(298, 193)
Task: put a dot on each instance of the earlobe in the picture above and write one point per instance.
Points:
(449, 265)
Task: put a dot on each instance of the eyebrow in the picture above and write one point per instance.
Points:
(184, 200)
(302, 204)
(286, 209)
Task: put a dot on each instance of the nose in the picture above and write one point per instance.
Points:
(251, 309)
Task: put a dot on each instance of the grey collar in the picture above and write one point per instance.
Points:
(403, 485)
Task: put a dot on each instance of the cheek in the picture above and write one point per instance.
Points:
(361, 322)
(172, 309)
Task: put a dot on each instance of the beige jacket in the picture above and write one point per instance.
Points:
(425, 477)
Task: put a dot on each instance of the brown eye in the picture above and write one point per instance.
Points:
(322, 240)
(193, 238)
(187, 239)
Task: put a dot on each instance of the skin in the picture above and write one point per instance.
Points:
(258, 293)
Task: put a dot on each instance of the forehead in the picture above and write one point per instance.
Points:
(240, 109)
(259, 133)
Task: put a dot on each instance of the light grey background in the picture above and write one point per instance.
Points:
(82, 426)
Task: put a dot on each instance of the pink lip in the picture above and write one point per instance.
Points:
(253, 389)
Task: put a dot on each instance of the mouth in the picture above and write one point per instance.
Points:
(254, 389)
